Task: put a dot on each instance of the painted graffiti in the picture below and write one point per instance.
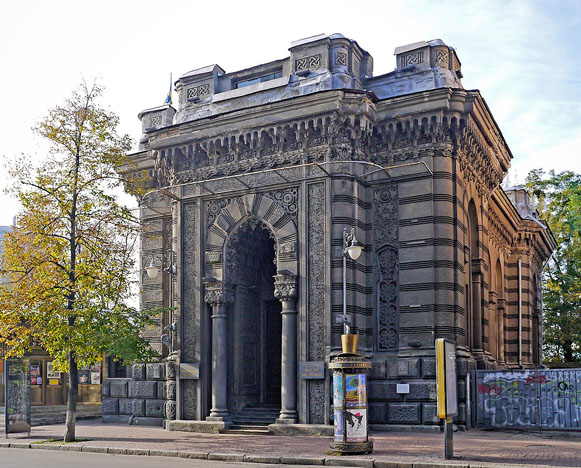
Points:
(529, 398)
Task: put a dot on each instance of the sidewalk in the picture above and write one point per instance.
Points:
(475, 448)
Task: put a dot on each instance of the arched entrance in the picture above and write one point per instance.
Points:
(254, 351)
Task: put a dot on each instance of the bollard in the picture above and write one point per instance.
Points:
(350, 400)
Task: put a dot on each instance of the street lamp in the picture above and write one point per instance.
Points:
(170, 268)
(352, 249)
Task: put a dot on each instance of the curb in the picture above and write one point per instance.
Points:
(255, 458)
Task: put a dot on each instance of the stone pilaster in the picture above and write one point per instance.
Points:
(285, 289)
(218, 296)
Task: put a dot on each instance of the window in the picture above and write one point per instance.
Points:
(259, 79)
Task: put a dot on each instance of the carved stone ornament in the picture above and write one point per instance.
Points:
(218, 293)
(285, 287)
(213, 257)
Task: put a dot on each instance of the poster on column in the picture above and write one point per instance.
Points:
(338, 390)
(356, 425)
(338, 421)
(355, 390)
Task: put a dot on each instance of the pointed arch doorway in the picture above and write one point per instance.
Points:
(255, 335)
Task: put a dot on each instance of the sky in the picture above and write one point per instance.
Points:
(522, 55)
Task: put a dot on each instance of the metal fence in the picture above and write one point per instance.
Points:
(540, 399)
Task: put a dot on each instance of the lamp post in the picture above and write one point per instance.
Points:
(168, 266)
(349, 376)
(352, 249)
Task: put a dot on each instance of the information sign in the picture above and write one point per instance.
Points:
(312, 370)
(17, 396)
(189, 370)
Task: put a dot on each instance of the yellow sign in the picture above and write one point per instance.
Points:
(53, 381)
(446, 378)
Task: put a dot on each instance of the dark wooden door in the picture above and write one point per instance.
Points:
(272, 351)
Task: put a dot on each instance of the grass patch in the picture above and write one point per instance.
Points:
(54, 441)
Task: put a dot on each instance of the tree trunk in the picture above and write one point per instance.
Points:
(568, 350)
(72, 400)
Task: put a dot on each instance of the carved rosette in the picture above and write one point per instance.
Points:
(218, 293)
(285, 287)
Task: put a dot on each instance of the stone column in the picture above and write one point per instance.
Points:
(285, 289)
(218, 296)
(500, 304)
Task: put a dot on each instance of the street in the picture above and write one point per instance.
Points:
(17, 458)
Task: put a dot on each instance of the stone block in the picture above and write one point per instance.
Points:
(138, 407)
(377, 413)
(408, 367)
(142, 389)
(428, 368)
(170, 390)
(161, 391)
(170, 409)
(110, 405)
(154, 371)
(154, 408)
(125, 406)
(404, 413)
(170, 370)
(118, 388)
(105, 389)
(430, 413)
(208, 427)
(145, 421)
(138, 371)
(115, 418)
(378, 370)
(422, 391)
(383, 391)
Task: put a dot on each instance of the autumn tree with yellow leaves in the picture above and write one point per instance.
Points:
(70, 256)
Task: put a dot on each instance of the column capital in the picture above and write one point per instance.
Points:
(285, 286)
(217, 292)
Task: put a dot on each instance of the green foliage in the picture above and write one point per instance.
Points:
(559, 203)
(70, 257)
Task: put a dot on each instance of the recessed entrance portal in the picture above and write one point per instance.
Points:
(255, 335)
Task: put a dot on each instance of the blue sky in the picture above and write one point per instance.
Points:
(524, 56)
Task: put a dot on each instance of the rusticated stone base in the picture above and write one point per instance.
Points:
(208, 427)
(300, 429)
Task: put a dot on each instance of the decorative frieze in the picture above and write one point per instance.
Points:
(308, 63)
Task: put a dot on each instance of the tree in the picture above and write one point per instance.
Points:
(70, 255)
(559, 203)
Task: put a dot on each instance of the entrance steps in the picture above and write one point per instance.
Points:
(253, 419)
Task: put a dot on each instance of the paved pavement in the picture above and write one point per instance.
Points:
(475, 448)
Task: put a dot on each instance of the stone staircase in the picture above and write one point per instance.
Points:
(43, 415)
(254, 419)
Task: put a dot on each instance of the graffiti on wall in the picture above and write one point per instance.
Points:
(529, 398)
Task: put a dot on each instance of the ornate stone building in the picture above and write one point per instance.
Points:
(255, 177)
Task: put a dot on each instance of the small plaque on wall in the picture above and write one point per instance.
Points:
(189, 370)
(312, 370)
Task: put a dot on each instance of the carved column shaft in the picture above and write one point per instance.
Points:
(500, 323)
(218, 296)
(285, 289)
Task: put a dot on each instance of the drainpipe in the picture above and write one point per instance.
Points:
(520, 311)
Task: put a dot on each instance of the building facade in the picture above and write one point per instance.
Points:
(255, 177)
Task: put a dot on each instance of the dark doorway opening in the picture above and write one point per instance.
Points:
(255, 334)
